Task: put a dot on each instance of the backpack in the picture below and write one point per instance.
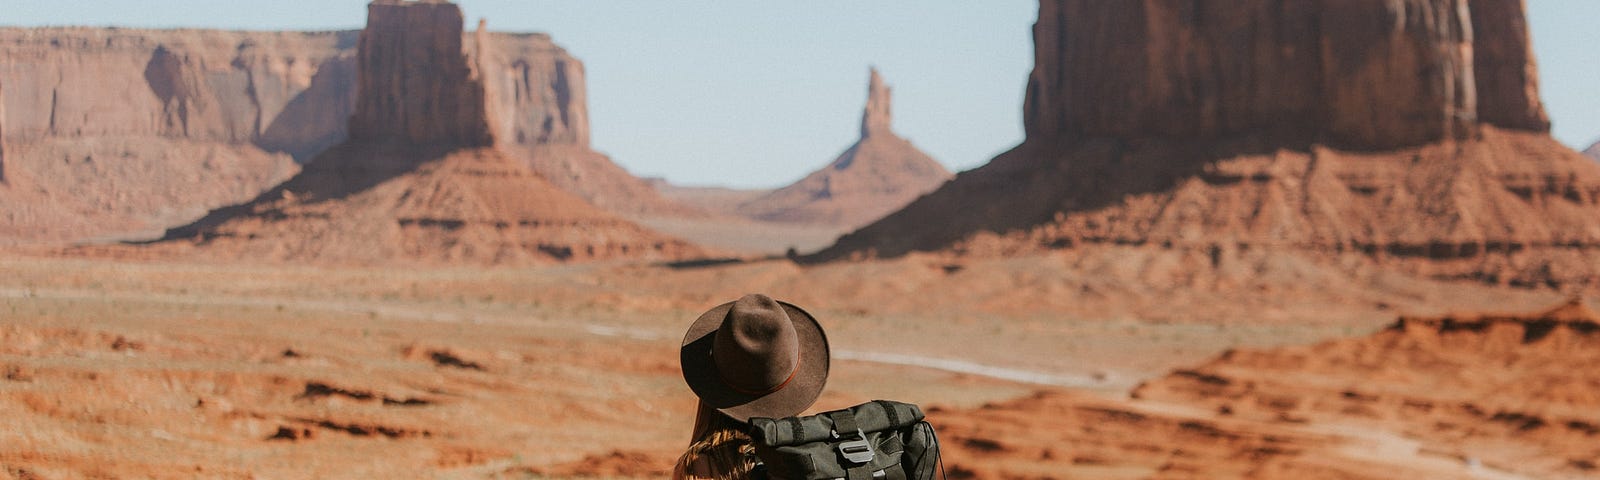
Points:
(875, 440)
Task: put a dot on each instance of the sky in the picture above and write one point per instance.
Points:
(757, 94)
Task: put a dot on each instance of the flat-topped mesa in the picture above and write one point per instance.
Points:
(879, 112)
(415, 81)
(1357, 74)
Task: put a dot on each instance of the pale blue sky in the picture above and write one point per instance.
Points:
(756, 94)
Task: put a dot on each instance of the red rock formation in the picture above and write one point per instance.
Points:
(214, 108)
(879, 115)
(413, 81)
(1506, 74)
(1312, 70)
(1344, 128)
(1593, 151)
(541, 113)
(879, 174)
(118, 132)
(419, 179)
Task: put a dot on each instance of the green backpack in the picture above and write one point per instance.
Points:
(875, 440)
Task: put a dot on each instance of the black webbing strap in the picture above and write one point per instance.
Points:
(845, 426)
(888, 410)
(844, 423)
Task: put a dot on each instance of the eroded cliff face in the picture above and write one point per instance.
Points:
(1299, 70)
(413, 81)
(1238, 134)
(117, 133)
(201, 85)
(1507, 75)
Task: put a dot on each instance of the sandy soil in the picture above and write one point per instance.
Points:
(133, 369)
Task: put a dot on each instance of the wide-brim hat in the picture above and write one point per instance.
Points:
(756, 357)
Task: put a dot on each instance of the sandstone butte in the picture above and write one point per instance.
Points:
(423, 176)
(881, 173)
(1407, 134)
(112, 132)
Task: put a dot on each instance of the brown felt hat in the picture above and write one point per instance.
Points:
(756, 357)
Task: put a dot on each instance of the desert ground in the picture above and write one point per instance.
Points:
(134, 368)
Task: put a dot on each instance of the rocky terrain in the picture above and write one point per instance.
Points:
(1593, 151)
(420, 178)
(156, 368)
(1188, 146)
(118, 133)
(879, 174)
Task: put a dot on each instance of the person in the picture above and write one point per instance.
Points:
(753, 357)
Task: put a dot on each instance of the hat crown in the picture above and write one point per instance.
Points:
(756, 349)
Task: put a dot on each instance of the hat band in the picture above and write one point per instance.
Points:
(736, 388)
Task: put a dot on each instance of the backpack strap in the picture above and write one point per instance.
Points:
(853, 445)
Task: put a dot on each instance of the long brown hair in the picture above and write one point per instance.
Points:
(719, 449)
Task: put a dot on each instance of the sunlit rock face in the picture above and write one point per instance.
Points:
(1358, 74)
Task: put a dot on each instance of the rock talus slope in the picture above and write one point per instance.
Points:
(420, 179)
(1187, 141)
(879, 174)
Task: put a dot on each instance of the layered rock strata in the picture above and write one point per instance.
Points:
(421, 178)
(882, 172)
(176, 122)
(1355, 130)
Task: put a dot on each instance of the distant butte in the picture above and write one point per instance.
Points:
(160, 126)
(421, 177)
(1403, 134)
(879, 174)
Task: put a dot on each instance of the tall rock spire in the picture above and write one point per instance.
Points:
(878, 114)
(415, 82)
(880, 173)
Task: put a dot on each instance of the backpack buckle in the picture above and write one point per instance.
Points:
(857, 451)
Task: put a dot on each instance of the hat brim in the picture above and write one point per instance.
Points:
(701, 372)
